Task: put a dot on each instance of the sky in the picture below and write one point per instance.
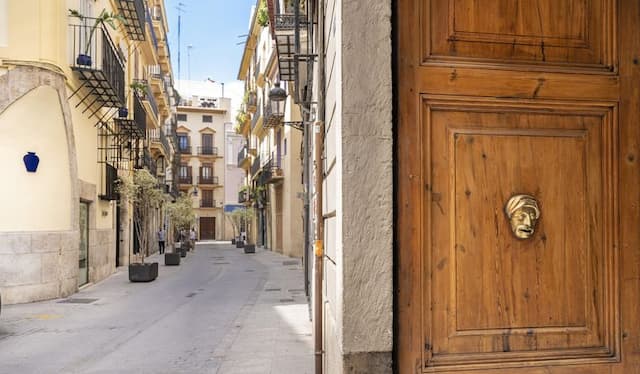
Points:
(216, 30)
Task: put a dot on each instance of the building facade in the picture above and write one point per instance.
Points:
(202, 142)
(272, 156)
(80, 103)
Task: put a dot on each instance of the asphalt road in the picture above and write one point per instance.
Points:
(176, 324)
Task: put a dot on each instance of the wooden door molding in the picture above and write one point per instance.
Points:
(483, 113)
(556, 293)
(532, 33)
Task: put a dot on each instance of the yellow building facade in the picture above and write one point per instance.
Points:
(272, 157)
(68, 104)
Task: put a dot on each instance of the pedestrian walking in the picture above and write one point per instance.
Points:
(192, 237)
(161, 239)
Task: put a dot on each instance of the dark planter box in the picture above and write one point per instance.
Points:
(183, 252)
(83, 60)
(171, 259)
(233, 241)
(143, 272)
(239, 244)
(250, 248)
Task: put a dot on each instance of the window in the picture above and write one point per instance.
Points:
(182, 117)
(183, 172)
(183, 142)
(206, 171)
(207, 119)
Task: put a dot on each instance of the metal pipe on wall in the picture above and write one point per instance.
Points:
(319, 176)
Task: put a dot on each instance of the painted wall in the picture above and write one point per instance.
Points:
(358, 188)
(38, 201)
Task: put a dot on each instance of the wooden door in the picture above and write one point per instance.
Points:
(207, 228)
(500, 99)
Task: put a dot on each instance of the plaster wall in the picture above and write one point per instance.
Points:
(367, 185)
(39, 201)
(358, 187)
(292, 225)
(39, 216)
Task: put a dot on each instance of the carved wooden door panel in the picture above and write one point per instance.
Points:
(517, 186)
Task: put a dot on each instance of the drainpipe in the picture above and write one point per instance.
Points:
(318, 130)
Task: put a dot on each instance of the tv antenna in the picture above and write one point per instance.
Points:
(181, 9)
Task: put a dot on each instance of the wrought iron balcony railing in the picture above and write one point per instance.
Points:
(154, 38)
(185, 179)
(133, 13)
(208, 151)
(255, 167)
(139, 115)
(243, 155)
(186, 150)
(207, 203)
(95, 60)
(208, 180)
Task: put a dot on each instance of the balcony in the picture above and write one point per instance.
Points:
(134, 15)
(208, 151)
(288, 35)
(243, 196)
(159, 140)
(271, 120)
(252, 102)
(244, 159)
(96, 63)
(255, 167)
(208, 180)
(135, 128)
(208, 204)
(272, 172)
(185, 151)
(185, 178)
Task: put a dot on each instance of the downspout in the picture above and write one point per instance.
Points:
(318, 129)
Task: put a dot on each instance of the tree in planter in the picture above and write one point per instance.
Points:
(234, 220)
(181, 214)
(142, 192)
(104, 17)
(246, 218)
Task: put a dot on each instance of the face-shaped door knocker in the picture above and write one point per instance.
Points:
(523, 213)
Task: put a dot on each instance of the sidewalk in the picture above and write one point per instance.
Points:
(272, 332)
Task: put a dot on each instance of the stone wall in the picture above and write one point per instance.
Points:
(38, 266)
(36, 263)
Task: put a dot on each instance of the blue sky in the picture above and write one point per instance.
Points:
(213, 28)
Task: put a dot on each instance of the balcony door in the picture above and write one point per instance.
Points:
(517, 222)
(207, 144)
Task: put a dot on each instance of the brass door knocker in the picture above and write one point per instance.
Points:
(523, 214)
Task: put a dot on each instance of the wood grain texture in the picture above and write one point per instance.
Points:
(485, 111)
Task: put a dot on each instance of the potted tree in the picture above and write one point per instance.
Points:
(84, 59)
(182, 215)
(139, 87)
(246, 215)
(234, 226)
(141, 191)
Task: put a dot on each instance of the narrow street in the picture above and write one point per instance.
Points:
(220, 311)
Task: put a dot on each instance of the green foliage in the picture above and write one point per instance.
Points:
(142, 192)
(104, 17)
(241, 217)
(181, 212)
(139, 88)
(241, 118)
(263, 14)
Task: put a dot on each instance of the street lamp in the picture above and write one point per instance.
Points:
(277, 100)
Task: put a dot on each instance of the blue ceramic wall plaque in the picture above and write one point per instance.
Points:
(31, 161)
